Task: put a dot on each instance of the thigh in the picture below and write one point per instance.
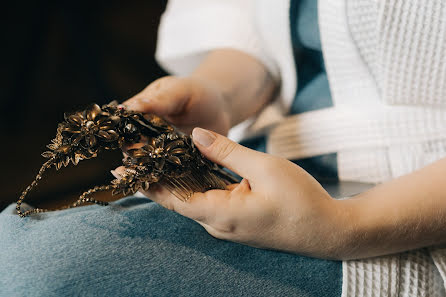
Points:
(136, 248)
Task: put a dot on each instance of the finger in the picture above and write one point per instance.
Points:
(165, 96)
(231, 187)
(159, 195)
(219, 149)
(118, 173)
(212, 231)
(201, 207)
(194, 208)
(212, 207)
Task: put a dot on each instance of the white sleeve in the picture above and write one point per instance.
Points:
(190, 29)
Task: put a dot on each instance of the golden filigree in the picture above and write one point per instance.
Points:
(168, 157)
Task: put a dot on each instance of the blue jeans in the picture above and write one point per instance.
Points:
(134, 247)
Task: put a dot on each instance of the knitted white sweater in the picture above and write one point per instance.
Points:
(386, 63)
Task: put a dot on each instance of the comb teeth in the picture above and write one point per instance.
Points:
(184, 187)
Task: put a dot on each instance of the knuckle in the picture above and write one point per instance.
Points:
(225, 149)
(161, 84)
(170, 206)
(214, 233)
(225, 226)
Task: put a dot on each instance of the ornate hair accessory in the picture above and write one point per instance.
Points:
(169, 157)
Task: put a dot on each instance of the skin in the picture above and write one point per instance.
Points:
(278, 205)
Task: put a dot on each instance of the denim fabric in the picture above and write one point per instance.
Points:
(134, 247)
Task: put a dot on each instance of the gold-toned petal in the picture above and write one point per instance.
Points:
(160, 142)
(159, 164)
(149, 148)
(113, 135)
(115, 182)
(66, 161)
(127, 191)
(130, 128)
(104, 135)
(76, 158)
(146, 186)
(76, 119)
(158, 122)
(91, 154)
(116, 191)
(47, 154)
(152, 142)
(107, 125)
(173, 144)
(52, 146)
(137, 153)
(71, 129)
(64, 149)
(174, 159)
(178, 151)
(121, 141)
(91, 140)
(58, 165)
(93, 111)
(115, 119)
(76, 139)
(111, 121)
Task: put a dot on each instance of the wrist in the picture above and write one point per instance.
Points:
(218, 92)
(344, 232)
(365, 229)
(245, 84)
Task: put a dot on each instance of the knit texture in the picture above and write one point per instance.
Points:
(404, 44)
(373, 36)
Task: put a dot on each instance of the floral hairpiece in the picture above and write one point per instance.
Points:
(168, 157)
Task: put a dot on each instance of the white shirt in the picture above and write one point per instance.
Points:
(386, 64)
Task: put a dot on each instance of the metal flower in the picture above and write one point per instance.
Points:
(159, 150)
(133, 124)
(82, 135)
(129, 184)
(169, 158)
(90, 127)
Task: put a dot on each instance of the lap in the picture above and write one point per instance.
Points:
(134, 247)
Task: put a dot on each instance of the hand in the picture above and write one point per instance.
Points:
(185, 102)
(276, 206)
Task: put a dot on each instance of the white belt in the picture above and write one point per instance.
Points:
(336, 129)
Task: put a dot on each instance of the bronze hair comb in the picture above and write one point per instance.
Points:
(169, 157)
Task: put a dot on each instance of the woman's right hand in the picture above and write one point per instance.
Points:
(186, 102)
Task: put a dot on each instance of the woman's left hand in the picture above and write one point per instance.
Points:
(277, 205)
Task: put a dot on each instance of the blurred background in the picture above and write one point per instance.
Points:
(60, 56)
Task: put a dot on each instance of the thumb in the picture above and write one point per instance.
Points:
(166, 96)
(245, 162)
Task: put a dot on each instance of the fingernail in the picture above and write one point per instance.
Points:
(135, 101)
(130, 104)
(115, 174)
(203, 137)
